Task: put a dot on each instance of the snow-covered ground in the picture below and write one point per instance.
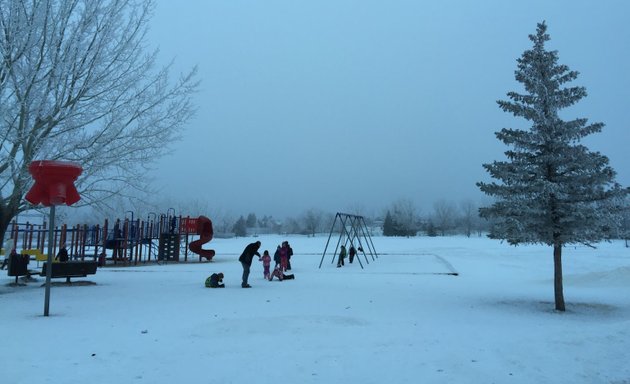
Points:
(401, 319)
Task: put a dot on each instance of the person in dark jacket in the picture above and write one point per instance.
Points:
(276, 256)
(289, 254)
(246, 261)
(215, 281)
(62, 255)
(117, 241)
(342, 256)
(351, 254)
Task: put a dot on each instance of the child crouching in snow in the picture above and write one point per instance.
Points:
(215, 281)
(266, 260)
(277, 272)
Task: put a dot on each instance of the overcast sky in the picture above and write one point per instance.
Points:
(336, 104)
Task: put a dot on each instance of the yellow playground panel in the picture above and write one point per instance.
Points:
(39, 256)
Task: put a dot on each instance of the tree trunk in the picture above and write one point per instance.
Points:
(5, 220)
(557, 264)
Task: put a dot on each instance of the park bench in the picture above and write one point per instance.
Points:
(18, 266)
(71, 269)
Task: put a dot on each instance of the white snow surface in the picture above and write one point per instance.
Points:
(400, 319)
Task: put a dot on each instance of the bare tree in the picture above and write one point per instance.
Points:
(193, 208)
(77, 85)
(313, 220)
(223, 224)
(328, 220)
(359, 210)
(444, 216)
(470, 216)
(403, 218)
(292, 225)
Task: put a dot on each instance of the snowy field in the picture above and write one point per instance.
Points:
(401, 319)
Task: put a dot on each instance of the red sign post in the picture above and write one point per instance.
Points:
(54, 185)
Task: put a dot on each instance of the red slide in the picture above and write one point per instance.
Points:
(204, 230)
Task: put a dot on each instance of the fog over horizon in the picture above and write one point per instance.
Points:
(345, 105)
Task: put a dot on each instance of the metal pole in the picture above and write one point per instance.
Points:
(49, 259)
(329, 236)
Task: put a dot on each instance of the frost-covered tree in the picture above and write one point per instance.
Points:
(625, 225)
(312, 220)
(251, 220)
(388, 225)
(444, 215)
(469, 216)
(552, 190)
(400, 219)
(292, 225)
(431, 230)
(240, 227)
(77, 84)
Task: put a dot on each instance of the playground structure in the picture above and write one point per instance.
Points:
(353, 231)
(160, 238)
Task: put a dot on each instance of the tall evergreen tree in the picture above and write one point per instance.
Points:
(240, 227)
(625, 225)
(388, 225)
(551, 190)
(251, 220)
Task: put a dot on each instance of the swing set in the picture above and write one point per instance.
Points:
(352, 230)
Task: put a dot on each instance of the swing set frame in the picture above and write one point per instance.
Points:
(352, 230)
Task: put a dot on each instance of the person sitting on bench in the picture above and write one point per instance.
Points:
(62, 255)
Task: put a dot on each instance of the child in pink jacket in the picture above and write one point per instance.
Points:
(277, 272)
(266, 260)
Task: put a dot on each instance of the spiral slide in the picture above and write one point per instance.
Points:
(204, 230)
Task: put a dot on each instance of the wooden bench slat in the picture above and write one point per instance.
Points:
(71, 269)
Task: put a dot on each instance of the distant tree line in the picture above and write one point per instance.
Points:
(445, 219)
(400, 219)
